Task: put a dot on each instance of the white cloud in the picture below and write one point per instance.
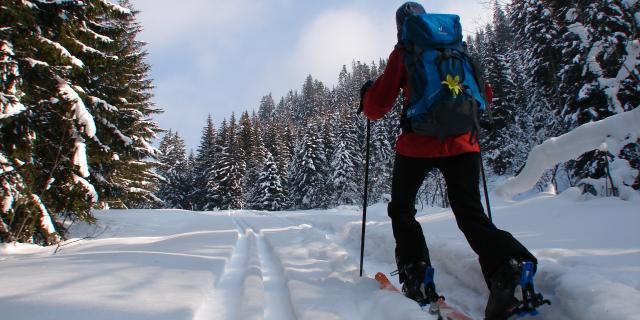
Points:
(336, 38)
(165, 22)
(474, 15)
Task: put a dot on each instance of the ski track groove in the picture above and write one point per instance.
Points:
(252, 301)
(224, 294)
(257, 270)
(277, 296)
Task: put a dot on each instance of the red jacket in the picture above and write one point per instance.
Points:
(379, 99)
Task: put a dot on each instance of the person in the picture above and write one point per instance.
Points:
(458, 158)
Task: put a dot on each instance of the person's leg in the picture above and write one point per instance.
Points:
(408, 174)
(494, 247)
(412, 255)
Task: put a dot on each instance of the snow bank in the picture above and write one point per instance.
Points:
(614, 132)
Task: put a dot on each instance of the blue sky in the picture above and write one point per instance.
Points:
(218, 57)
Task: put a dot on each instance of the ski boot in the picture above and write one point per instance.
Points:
(531, 300)
(417, 284)
(502, 302)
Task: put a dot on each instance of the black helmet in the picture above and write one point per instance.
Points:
(407, 9)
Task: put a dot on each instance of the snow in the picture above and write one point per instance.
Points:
(239, 264)
(11, 108)
(614, 132)
(7, 201)
(34, 62)
(117, 7)
(64, 52)
(88, 49)
(45, 219)
(83, 116)
(80, 158)
(9, 103)
(611, 86)
(98, 36)
(91, 190)
(571, 15)
(629, 3)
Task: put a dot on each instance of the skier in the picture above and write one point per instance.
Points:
(458, 158)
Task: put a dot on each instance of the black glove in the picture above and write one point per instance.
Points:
(363, 90)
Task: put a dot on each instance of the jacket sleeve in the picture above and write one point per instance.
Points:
(379, 98)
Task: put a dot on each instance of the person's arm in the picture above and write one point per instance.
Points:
(380, 96)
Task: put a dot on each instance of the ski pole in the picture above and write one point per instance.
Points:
(366, 194)
(486, 191)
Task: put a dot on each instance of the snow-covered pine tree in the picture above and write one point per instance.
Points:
(499, 145)
(204, 163)
(269, 193)
(173, 167)
(284, 109)
(75, 129)
(599, 80)
(45, 144)
(267, 108)
(308, 104)
(224, 187)
(282, 151)
(190, 176)
(345, 182)
(133, 176)
(307, 171)
(256, 156)
(118, 88)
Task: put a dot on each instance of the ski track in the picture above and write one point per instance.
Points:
(276, 291)
(254, 267)
(265, 287)
(457, 290)
(223, 301)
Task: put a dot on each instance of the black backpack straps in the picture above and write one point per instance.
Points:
(405, 124)
(477, 74)
(456, 58)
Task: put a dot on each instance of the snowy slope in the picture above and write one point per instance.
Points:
(168, 264)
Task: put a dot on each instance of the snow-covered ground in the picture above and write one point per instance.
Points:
(169, 264)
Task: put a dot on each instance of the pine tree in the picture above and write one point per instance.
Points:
(175, 188)
(204, 163)
(256, 159)
(499, 145)
(76, 71)
(344, 181)
(269, 193)
(307, 170)
(224, 187)
(267, 108)
(600, 49)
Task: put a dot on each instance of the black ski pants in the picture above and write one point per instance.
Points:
(493, 246)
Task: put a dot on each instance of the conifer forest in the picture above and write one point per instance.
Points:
(77, 127)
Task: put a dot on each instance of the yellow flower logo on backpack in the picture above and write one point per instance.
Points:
(453, 84)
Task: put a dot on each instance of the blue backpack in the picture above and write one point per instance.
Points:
(445, 93)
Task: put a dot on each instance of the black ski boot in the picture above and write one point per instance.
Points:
(417, 283)
(502, 302)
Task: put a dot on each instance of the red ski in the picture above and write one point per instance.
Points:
(445, 311)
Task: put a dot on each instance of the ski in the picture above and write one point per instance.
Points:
(443, 310)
